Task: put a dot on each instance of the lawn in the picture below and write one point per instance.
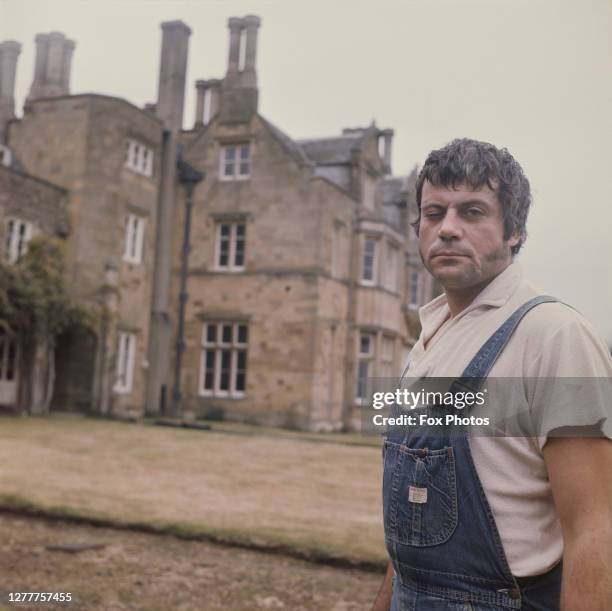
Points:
(287, 492)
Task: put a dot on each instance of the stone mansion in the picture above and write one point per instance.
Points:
(239, 274)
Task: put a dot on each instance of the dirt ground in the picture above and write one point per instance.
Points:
(163, 573)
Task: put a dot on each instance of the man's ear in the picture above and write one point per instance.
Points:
(514, 239)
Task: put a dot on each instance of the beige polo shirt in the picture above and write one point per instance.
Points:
(552, 340)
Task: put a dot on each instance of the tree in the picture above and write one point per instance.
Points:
(35, 308)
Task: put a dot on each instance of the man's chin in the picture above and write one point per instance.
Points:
(453, 277)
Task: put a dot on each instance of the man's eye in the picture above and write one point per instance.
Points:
(473, 212)
(433, 214)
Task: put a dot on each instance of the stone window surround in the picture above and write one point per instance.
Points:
(414, 289)
(126, 356)
(365, 360)
(139, 157)
(375, 255)
(235, 143)
(375, 356)
(388, 241)
(233, 221)
(16, 242)
(217, 346)
(134, 238)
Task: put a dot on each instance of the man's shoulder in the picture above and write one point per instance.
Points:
(549, 318)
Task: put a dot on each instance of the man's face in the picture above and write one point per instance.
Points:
(461, 235)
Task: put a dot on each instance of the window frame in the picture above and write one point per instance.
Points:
(236, 173)
(374, 265)
(134, 240)
(414, 289)
(139, 157)
(15, 245)
(232, 240)
(126, 354)
(364, 357)
(218, 346)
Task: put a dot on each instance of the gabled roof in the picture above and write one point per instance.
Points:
(332, 151)
(291, 147)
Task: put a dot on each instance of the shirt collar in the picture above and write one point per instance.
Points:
(495, 294)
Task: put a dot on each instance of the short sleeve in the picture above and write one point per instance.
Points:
(570, 383)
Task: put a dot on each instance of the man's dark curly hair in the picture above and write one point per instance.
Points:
(476, 164)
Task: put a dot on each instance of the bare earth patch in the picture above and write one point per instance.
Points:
(162, 573)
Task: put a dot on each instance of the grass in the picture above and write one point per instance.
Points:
(276, 491)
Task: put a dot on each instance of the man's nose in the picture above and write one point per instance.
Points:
(450, 228)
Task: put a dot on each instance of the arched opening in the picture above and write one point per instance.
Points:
(75, 356)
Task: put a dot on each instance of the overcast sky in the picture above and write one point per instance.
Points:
(531, 75)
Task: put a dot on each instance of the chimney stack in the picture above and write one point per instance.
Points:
(239, 92)
(9, 52)
(52, 68)
(387, 134)
(207, 101)
(172, 74)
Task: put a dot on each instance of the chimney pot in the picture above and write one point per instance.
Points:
(52, 66)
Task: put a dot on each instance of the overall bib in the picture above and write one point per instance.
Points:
(440, 532)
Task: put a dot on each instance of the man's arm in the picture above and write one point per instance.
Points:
(580, 475)
(383, 599)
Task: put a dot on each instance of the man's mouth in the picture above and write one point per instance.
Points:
(448, 253)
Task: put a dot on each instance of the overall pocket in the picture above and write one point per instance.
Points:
(420, 495)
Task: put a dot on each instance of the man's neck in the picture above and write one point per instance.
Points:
(459, 299)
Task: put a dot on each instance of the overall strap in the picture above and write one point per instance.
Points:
(478, 369)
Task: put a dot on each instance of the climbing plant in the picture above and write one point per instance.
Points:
(35, 308)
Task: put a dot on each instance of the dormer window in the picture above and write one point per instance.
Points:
(139, 158)
(235, 161)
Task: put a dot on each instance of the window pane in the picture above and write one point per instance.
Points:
(365, 345)
(225, 229)
(226, 359)
(368, 260)
(230, 153)
(240, 229)
(362, 377)
(227, 334)
(241, 370)
(240, 382)
(242, 334)
(209, 369)
(239, 253)
(211, 333)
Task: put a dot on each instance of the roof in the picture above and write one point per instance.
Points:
(393, 189)
(332, 151)
(293, 148)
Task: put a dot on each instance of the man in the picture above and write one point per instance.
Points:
(477, 522)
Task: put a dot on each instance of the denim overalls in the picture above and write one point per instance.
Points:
(440, 532)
